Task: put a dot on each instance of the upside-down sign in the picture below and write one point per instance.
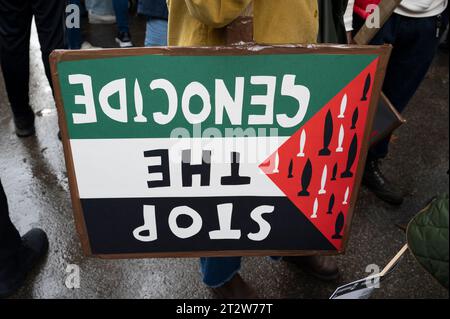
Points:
(221, 151)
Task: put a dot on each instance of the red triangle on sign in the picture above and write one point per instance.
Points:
(328, 144)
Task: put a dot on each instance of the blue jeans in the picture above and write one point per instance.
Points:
(156, 34)
(121, 10)
(104, 7)
(415, 45)
(73, 35)
(218, 271)
(100, 7)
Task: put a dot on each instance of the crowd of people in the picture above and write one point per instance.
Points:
(414, 30)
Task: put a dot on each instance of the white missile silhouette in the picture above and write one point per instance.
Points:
(343, 107)
(315, 209)
(347, 194)
(138, 104)
(323, 183)
(276, 169)
(302, 144)
(340, 148)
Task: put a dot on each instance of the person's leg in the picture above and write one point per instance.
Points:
(10, 240)
(100, 7)
(74, 36)
(121, 10)
(373, 176)
(50, 22)
(15, 28)
(388, 34)
(218, 271)
(221, 275)
(123, 37)
(415, 44)
(156, 34)
(17, 255)
(414, 49)
(100, 11)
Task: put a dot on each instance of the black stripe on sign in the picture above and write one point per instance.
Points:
(110, 224)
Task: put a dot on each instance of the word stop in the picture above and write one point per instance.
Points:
(148, 232)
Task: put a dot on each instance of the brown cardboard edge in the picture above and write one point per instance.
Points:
(386, 100)
(76, 55)
(400, 121)
(228, 253)
(64, 55)
(80, 224)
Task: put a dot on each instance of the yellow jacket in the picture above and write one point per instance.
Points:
(202, 22)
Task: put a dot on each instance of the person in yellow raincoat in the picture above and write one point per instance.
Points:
(203, 23)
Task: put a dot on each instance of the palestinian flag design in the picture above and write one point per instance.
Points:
(320, 180)
(242, 178)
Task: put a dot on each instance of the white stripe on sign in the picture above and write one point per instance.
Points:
(117, 168)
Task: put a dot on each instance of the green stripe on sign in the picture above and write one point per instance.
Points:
(323, 75)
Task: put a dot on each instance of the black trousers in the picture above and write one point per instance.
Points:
(415, 44)
(15, 28)
(10, 240)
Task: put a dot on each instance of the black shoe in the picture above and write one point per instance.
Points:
(379, 185)
(124, 40)
(321, 267)
(13, 275)
(25, 125)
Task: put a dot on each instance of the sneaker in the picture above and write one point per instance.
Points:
(13, 275)
(124, 40)
(25, 126)
(87, 46)
(101, 19)
(379, 185)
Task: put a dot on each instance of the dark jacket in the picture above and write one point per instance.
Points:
(156, 9)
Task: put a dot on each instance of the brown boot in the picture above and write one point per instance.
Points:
(324, 268)
(236, 288)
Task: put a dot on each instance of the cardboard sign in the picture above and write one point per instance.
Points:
(216, 151)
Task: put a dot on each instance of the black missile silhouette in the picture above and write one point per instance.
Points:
(291, 169)
(351, 158)
(327, 135)
(335, 170)
(355, 119)
(331, 204)
(306, 179)
(339, 226)
(366, 87)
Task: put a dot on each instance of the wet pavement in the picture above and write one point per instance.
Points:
(33, 174)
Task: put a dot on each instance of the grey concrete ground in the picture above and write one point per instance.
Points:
(34, 177)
